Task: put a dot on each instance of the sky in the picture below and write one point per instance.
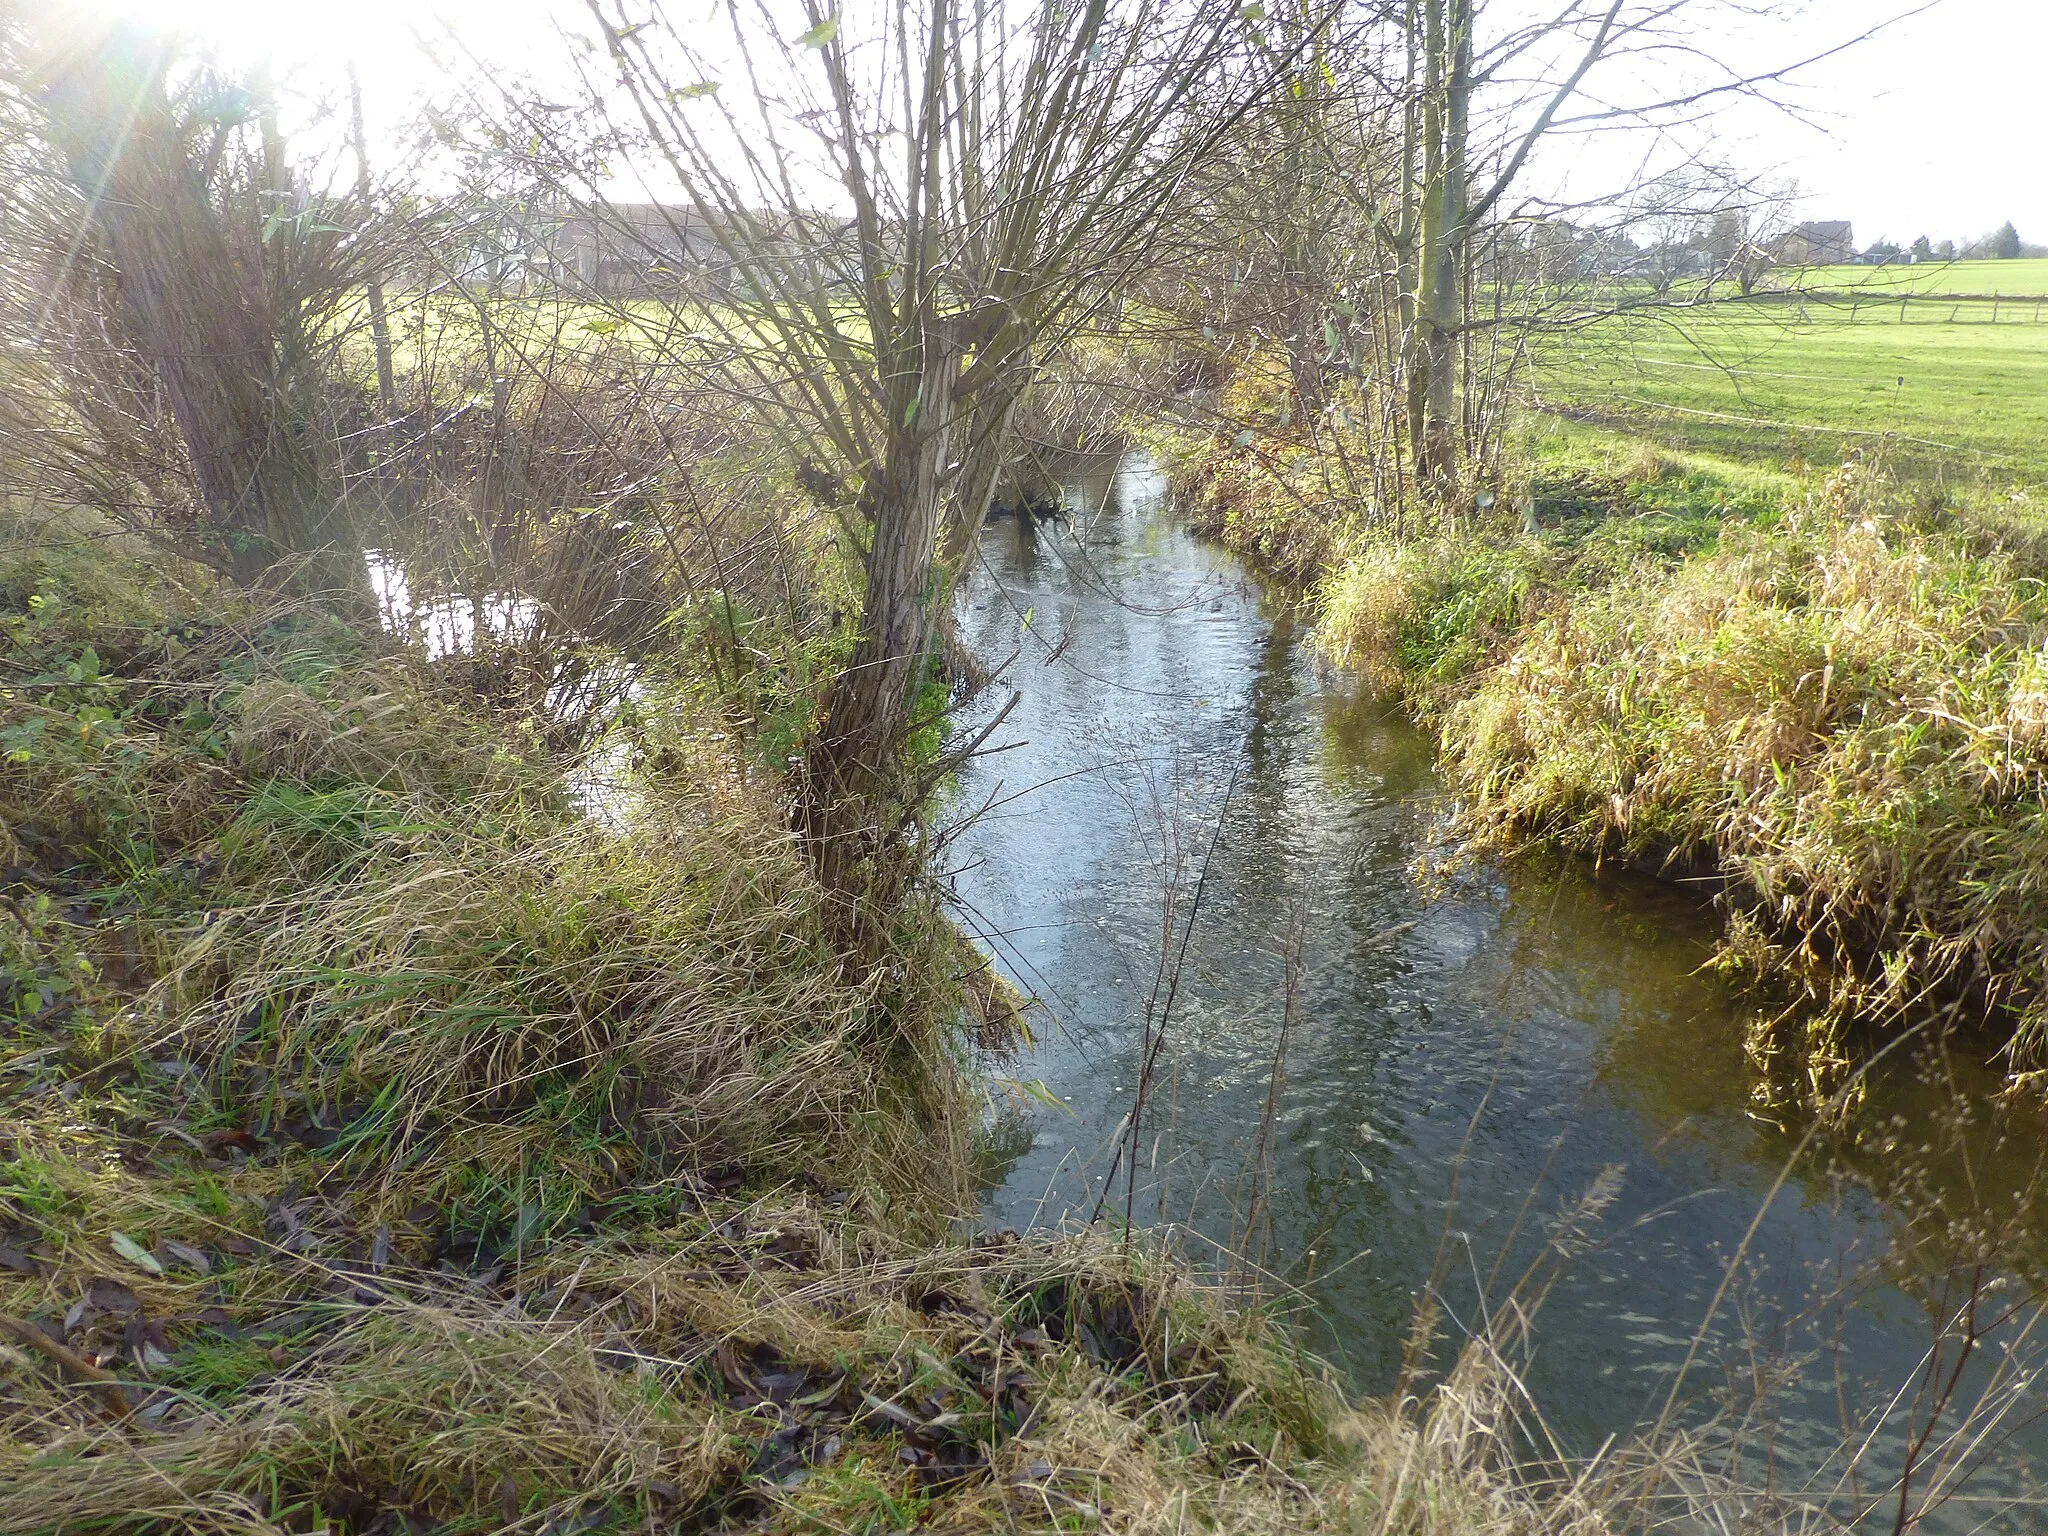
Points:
(1937, 126)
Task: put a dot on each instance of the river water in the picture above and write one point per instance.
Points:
(1475, 1045)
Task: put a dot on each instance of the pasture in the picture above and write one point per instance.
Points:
(2027, 279)
(1950, 387)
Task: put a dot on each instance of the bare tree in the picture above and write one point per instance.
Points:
(909, 206)
(1487, 87)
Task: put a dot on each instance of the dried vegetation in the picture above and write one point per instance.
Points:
(1821, 703)
(1843, 718)
(391, 1146)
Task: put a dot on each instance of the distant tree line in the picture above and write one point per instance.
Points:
(2002, 244)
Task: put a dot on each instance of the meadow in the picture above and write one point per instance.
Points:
(2020, 279)
(1952, 388)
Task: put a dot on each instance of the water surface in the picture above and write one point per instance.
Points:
(1517, 1034)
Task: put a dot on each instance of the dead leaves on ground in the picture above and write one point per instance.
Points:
(929, 1375)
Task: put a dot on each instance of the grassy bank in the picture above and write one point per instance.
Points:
(1821, 697)
(391, 1146)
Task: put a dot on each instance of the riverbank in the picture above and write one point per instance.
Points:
(1822, 696)
(392, 1145)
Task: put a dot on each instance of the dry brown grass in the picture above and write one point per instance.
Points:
(1841, 716)
(669, 971)
(776, 1369)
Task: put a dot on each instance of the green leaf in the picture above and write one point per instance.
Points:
(1252, 12)
(821, 34)
(19, 741)
(136, 1254)
(1035, 1088)
(692, 92)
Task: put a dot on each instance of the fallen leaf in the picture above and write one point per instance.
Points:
(136, 1254)
(895, 1413)
(105, 1295)
(171, 1251)
(781, 1386)
(178, 1131)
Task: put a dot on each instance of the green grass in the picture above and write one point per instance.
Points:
(411, 1151)
(1944, 392)
(2027, 278)
(1831, 694)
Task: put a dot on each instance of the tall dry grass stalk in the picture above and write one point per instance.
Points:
(1837, 716)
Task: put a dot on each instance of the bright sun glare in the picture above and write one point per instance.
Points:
(378, 36)
(281, 28)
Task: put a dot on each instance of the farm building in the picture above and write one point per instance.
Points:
(1825, 243)
(636, 250)
(655, 250)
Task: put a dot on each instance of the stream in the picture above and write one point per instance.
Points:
(1476, 1043)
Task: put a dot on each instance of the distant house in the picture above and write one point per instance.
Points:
(636, 250)
(655, 250)
(1824, 243)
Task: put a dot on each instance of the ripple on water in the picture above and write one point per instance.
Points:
(1571, 1010)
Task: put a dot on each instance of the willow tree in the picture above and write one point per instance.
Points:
(896, 209)
(175, 184)
(1445, 202)
(1488, 84)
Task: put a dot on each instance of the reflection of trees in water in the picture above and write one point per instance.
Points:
(1614, 1039)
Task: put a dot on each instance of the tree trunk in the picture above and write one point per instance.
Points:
(857, 783)
(1435, 318)
(380, 321)
(197, 316)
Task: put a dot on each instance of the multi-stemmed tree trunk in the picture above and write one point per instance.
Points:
(1447, 202)
(852, 805)
(1005, 169)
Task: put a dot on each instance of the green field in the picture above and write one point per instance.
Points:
(1948, 388)
(2024, 278)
